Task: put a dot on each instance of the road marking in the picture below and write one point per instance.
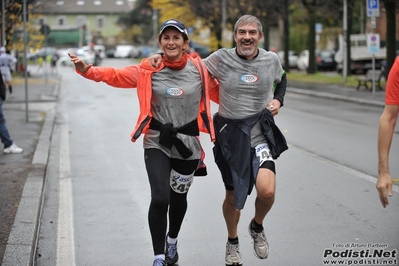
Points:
(65, 232)
(342, 167)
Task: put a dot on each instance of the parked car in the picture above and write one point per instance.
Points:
(109, 53)
(292, 58)
(325, 60)
(43, 52)
(87, 55)
(97, 48)
(64, 59)
(202, 50)
(146, 51)
(126, 51)
(303, 60)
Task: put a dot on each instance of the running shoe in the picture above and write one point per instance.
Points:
(261, 246)
(159, 262)
(171, 255)
(233, 255)
(13, 149)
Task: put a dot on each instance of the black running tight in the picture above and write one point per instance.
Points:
(158, 167)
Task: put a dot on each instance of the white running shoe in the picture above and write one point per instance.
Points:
(13, 149)
(261, 246)
(233, 255)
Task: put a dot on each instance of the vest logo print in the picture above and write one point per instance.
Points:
(249, 78)
(174, 91)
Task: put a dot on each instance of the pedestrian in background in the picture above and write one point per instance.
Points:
(9, 145)
(6, 61)
(385, 133)
(40, 62)
(252, 87)
(54, 59)
(175, 106)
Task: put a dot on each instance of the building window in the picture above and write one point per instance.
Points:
(97, 3)
(60, 3)
(61, 21)
(100, 22)
(119, 3)
(80, 3)
(41, 21)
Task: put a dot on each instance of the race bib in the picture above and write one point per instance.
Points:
(263, 153)
(180, 183)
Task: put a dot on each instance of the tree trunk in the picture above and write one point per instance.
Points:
(390, 7)
(286, 37)
(349, 21)
(312, 43)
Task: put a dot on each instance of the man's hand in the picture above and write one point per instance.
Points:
(384, 185)
(274, 106)
(79, 63)
(155, 60)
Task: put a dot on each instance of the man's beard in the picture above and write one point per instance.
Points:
(247, 51)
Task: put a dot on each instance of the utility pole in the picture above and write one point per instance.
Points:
(25, 61)
(223, 21)
(373, 40)
(345, 48)
(155, 28)
(3, 23)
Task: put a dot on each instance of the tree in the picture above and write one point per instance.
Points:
(14, 26)
(348, 33)
(391, 8)
(137, 22)
(312, 7)
(318, 10)
(13, 12)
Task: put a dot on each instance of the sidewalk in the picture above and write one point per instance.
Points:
(23, 175)
(336, 92)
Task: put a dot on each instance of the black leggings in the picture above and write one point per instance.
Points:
(158, 166)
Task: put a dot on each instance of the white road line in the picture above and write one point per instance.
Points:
(65, 232)
(344, 168)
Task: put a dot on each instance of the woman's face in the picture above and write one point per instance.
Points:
(172, 43)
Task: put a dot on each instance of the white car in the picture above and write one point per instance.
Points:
(86, 55)
(303, 60)
(64, 59)
(292, 57)
(98, 48)
(126, 51)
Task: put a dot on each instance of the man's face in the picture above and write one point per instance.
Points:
(247, 38)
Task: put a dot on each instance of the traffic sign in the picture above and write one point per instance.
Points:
(373, 8)
(373, 42)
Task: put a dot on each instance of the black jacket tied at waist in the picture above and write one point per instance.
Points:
(168, 135)
(234, 144)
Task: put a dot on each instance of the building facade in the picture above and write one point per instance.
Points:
(81, 22)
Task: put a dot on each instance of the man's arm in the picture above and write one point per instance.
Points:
(385, 135)
(278, 98)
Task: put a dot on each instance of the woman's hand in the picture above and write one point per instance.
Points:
(80, 65)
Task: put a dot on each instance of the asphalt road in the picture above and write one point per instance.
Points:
(96, 192)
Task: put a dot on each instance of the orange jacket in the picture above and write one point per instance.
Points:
(139, 76)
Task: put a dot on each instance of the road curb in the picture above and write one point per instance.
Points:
(335, 96)
(21, 244)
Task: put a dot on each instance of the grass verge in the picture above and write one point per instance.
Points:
(329, 78)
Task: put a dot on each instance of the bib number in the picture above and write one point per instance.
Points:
(180, 183)
(263, 153)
